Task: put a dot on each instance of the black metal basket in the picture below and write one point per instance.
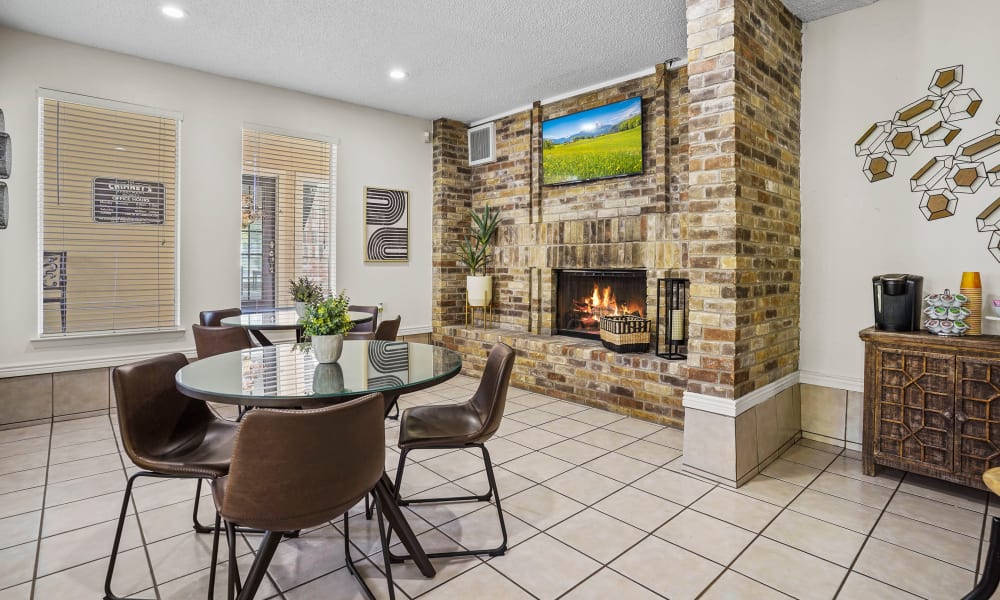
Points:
(625, 333)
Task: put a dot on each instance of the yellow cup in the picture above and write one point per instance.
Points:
(970, 279)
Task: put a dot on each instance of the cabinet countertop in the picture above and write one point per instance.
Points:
(929, 340)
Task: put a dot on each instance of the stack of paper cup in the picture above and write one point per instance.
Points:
(972, 288)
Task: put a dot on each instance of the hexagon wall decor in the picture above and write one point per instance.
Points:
(961, 104)
(931, 174)
(965, 177)
(993, 175)
(946, 79)
(981, 147)
(989, 219)
(873, 140)
(919, 110)
(903, 140)
(939, 135)
(938, 204)
(879, 166)
(994, 245)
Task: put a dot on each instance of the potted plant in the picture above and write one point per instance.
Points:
(304, 291)
(325, 323)
(475, 253)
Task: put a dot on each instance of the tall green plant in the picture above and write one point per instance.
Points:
(474, 251)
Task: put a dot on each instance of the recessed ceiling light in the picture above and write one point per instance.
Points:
(173, 12)
(397, 74)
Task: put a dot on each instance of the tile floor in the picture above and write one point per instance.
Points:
(596, 505)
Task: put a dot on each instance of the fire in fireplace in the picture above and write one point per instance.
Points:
(584, 296)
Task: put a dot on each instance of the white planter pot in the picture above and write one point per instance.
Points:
(479, 289)
(327, 348)
(300, 309)
(328, 379)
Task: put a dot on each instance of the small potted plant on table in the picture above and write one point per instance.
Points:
(325, 323)
(304, 291)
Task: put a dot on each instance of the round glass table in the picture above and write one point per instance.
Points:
(279, 319)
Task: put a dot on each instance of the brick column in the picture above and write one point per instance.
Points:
(452, 201)
(744, 63)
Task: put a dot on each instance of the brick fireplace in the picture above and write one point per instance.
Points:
(583, 296)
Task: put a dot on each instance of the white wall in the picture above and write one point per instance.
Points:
(376, 148)
(861, 67)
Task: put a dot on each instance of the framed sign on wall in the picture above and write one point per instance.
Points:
(387, 232)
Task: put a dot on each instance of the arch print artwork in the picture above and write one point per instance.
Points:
(930, 122)
(387, 233)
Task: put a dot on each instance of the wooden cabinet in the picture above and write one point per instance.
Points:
(932, 404)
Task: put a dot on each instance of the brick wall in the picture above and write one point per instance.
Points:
(450, 221)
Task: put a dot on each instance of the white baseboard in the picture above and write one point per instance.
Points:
(732, 408)
(851, 384)
(98, 362)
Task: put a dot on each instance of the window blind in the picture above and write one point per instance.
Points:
(108, 208)
(287, 214)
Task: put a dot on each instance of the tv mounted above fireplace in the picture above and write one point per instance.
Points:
(599, 143)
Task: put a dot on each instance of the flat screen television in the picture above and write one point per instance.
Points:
(593, 144)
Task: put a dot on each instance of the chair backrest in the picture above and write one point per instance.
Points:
(368, 325)
(387, 330)
(491, 395)
(293, 469)
(213, 318)
(209, 341)
(153, 415)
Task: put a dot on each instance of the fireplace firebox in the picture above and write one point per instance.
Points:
(583, 296)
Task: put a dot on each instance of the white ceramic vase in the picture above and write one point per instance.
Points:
(328, 379)
(479, 289)
(327, 348)
(300, 309)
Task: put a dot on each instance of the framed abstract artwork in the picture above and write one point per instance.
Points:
(387, 230)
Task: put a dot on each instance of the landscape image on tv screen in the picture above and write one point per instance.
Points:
(593, 144)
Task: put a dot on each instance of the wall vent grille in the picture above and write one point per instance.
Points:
(482, 144)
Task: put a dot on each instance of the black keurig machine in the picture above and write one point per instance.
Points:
(897, 301)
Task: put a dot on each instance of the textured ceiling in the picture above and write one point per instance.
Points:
(466, 59)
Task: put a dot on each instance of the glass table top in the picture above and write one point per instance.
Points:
(281, 375)
(281, 318)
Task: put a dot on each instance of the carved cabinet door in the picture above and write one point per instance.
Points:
(914, 410)
(977, 415)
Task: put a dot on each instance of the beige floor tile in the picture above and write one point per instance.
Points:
(345, 584)
(540, 507)
(849, 467)
(22, 480)
(596, 417)
(668, 436)
(437, 513)
(481, 529)
(744, 511)
(620, 467)
(563, 569)
(942, 544)
(563, 408)
(507, 427)
(574, 451)
(71, 425)
(364, 533)
(195, 585)
(26, 446)
(18, 563)
(673, 486)
(915, 573)
(23, 433)
(302, 559)
(602, 438)
(23, 462)
(638, 508)
(607, 584)
(791, 472)
(634, 427)
(596, 534)
(174, 519)
(584, 486)
(817, 445)
(567, 427)
(82, 436)
(84, 545)
(817, 459)
(455, 465)
(22, 501)
(733, 586)
(417, 478)
(84, 487)
(859, 587)
(855, 490)
(789, 570)
(85, 467)
(944, 491)
(649, 452)
(667, 569)
(770, 490)
(825, 540)
(509, 483)
(502, 450)
(538, 467)
(82, 513)
(707, 536)
(534, 417)
(19, 529)
(186, 553)
(950, 517)
(535, 438)
(18, 592)
(854, 516)
(87, 580)
(479, 582)
(85, 450)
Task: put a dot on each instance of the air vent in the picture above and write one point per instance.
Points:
(482, 144)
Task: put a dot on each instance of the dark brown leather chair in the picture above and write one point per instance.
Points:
(293, 469)
(386, 331)
(367, 326)
(469, 424)
(212, 340)
(213, 318)
(166, 434)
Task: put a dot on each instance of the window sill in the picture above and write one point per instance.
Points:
(82, 337)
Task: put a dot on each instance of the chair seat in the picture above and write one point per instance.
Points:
(208, 456)
(426, 426)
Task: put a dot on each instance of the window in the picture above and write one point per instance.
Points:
(107, 216)
(286, 215)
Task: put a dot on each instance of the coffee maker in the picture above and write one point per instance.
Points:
(897, 301)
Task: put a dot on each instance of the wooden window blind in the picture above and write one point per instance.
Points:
(108, 210)
(287, 215)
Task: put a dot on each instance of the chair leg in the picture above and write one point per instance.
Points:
(215, 556)
(991, 574)
(108, 594)
(194, 514)
(233, 585)
(383, 537)
(349, 561)
(257, 571)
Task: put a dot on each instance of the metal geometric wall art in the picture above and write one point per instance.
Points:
(966, 177)
(879, 166)
(904, 140)
(961, 104)
(931, 174)
(918, 111)
(946, 79)
(994, 245)
(989, 219)
(874, 139)
(387, 233)
(939, 135)
(938, 204)
(981, 147)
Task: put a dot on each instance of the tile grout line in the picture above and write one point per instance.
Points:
(41, 518)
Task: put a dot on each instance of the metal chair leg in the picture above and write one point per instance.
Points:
(991, 574)
(108, 594)
(215, 556)
(349, 561)
(264, 555)
(233, 586)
